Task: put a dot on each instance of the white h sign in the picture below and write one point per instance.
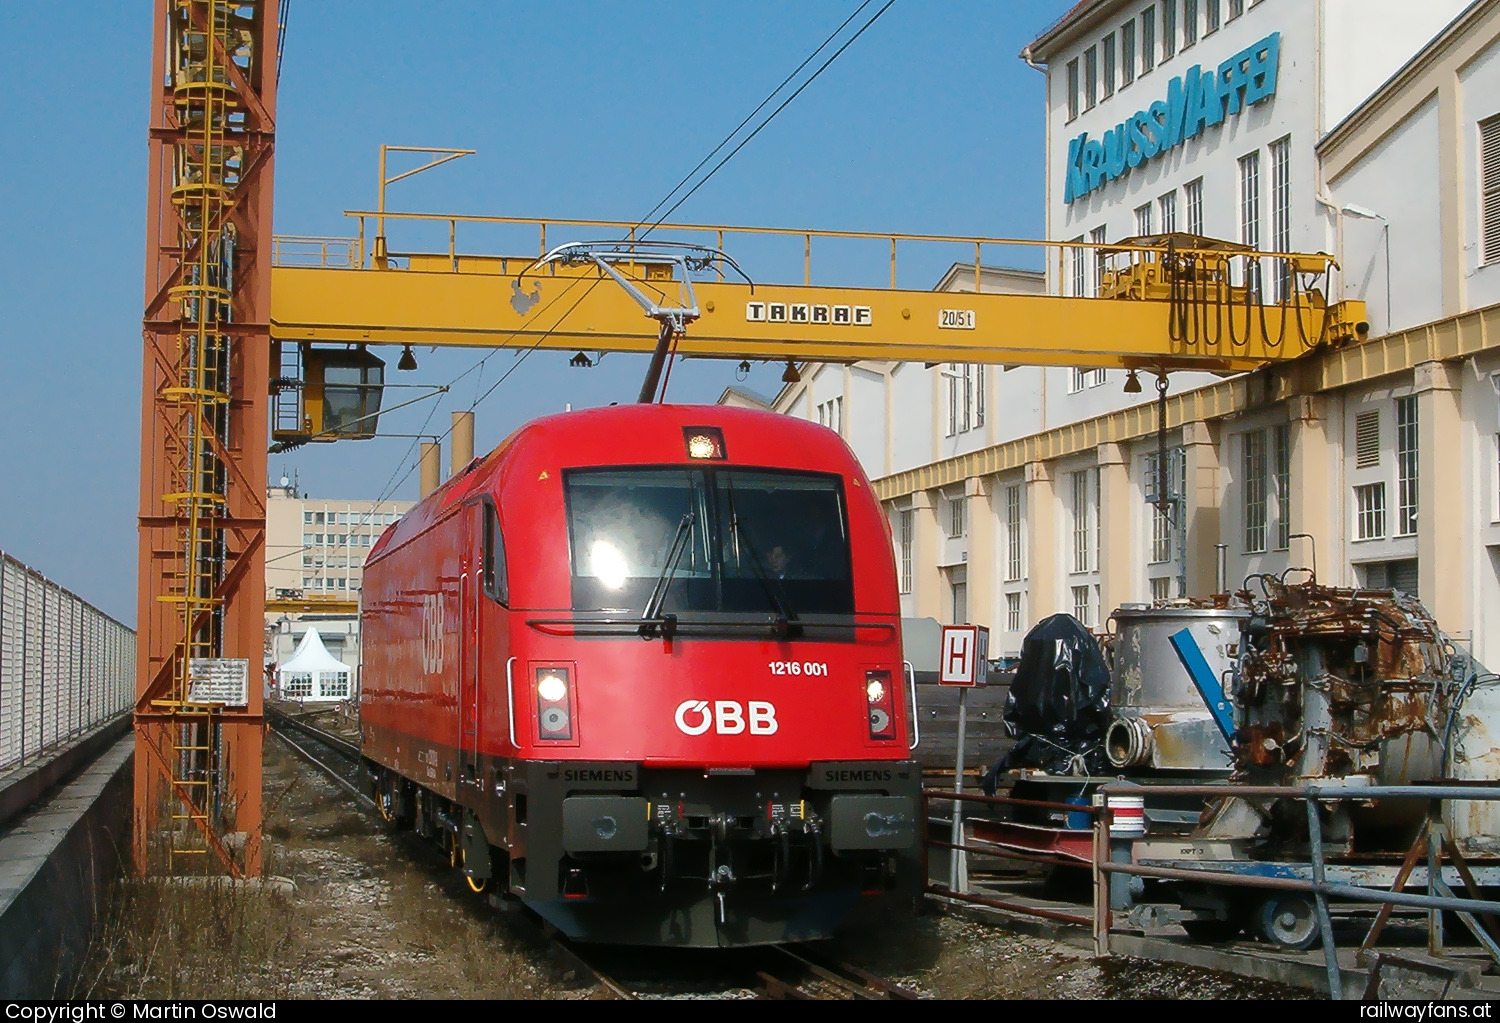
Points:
(964, 655)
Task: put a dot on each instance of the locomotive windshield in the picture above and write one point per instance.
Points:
(711, 541)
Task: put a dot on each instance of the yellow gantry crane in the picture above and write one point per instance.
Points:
(1173, 302)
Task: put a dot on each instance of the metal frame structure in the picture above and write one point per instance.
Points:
(1172, 302)
(204, 420)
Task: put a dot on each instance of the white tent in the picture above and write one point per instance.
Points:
(312, 674)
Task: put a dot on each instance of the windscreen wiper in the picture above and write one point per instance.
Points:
(774, 592)
(652, 617)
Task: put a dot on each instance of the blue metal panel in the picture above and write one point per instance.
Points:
(1203, 677)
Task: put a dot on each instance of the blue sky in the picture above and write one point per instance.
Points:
(928, 123)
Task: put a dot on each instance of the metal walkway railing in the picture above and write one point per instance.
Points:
(1431, 875)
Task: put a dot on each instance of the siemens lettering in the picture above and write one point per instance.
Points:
(1194, 101)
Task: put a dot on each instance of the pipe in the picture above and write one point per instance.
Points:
(431, 462)
(461, 452)
(1221, 567)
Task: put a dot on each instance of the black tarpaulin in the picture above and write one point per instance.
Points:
(1058, 707)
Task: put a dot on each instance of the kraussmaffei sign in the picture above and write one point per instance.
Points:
(1195, 100)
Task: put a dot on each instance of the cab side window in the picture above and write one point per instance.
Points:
(493, 568)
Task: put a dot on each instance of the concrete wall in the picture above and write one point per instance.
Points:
(55, 868)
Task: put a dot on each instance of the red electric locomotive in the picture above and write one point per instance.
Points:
(640, 667)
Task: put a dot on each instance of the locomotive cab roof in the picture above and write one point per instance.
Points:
(635, 434)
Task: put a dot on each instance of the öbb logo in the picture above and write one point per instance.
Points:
(693, 717)
(432, 634)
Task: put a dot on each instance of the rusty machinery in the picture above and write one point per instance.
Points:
(1344, 686)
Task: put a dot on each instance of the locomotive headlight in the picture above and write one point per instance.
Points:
(552, 687)
(554, 703)
(703, 441)
(882, 711)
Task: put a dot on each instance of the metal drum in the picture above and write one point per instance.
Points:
(1161, 720)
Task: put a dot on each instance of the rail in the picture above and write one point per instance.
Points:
(1106, 848)
(65, 666)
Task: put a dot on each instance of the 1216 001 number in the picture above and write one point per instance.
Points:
(799, 668)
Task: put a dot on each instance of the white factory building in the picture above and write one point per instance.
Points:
(1368, 129)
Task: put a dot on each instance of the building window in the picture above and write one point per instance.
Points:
(1072, 88)
(1161, 589)
(1281, 213)
(1189, 23)
(1369, 511)
(959, 584)
(1193, 193)
(1101, 258)
(1082, 606)
(1013, 612)
(307, 518)
(1085, 485)
(1075, 380)
(317, 518)
(1406, 466)
(1013, 534)
(904, 535)
(1079, 269)
(1253, 459)
(1211, 14)
(965, 397)
(831, 414)
(1148, 39)
(1143, 220)
(1392, 575)
(1161, 533)
(1281, 462)
(1236, 8)
(1107, 58)
(956, 516)
(1167, 207)
(1168, 29)
(1127, 53)
(1164, 514)
(1090, 78)
(1250, 216)
(1489, 174)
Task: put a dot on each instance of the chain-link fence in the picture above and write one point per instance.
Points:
(65, 666)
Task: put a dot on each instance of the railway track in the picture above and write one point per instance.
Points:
(804, 974)
(333, 756)
(770, 972)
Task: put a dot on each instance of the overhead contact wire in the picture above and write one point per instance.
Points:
(814, 77)
(751, 116)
